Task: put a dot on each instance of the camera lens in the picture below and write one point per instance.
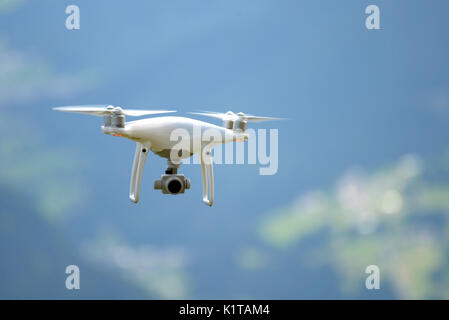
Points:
(174, 186)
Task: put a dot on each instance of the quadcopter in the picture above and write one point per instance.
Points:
(155, 134)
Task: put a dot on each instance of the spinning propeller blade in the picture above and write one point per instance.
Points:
(232, 116)
(223, 116)
(102, 110)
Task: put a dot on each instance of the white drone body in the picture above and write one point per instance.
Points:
(161, 135)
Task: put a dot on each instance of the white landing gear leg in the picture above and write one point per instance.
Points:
(136, 173)
(207, 171)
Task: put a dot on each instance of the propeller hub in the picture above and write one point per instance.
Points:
(117, 110)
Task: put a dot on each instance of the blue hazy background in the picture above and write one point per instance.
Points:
(363, 173)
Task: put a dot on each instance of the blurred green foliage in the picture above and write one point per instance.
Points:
(47, 174)
(396, 218)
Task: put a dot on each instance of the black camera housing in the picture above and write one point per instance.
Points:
(172, 184)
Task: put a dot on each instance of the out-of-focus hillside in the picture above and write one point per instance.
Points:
(396, 218)
(35, 254)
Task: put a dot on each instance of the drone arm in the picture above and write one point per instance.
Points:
(207, 172)
(136, 173)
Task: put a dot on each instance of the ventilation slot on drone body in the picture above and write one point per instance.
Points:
(228, 124)
(239, 125)
(107, 120)
(118, 121)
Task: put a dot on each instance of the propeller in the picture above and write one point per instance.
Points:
(102, 110)
(231, 116)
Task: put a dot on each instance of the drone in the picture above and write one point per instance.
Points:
(155, 134)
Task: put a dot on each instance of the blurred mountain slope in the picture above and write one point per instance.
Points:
(395, 218)
(34, 256)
